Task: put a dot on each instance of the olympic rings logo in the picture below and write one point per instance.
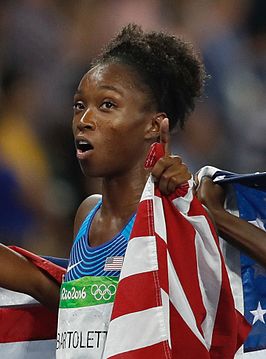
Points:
(103, 291)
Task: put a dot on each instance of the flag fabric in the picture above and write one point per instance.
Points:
(246, 198)
(173, 298)
(27, 328)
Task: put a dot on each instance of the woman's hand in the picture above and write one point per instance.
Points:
(169, 171)
(211, 195)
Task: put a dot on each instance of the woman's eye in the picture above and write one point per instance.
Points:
(78, 106)
(107, 105)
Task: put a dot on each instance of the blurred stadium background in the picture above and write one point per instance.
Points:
(47, 45)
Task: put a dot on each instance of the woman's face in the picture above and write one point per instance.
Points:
(111, 120)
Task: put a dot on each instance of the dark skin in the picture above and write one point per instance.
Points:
(238, 232)
(20, 275)
(113, 111)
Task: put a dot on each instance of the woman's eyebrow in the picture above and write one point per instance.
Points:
(112, 88)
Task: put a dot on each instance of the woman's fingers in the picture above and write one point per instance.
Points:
(165, 136)
(169, 173)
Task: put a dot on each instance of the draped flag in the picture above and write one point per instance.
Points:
(173, 298)
(27, 328)
(246, 198)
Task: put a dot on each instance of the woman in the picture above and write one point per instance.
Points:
(120, 109)
(141, 85)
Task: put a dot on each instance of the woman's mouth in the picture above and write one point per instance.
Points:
(83, 147)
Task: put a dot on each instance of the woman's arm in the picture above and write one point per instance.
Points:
(238, 232)
(19, 274)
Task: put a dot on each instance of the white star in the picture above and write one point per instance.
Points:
(258, 314)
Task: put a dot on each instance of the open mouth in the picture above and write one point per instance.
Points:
(83, 146)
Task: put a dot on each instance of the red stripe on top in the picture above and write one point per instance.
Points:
(155, 153)
(162, 263)
(181, 246)
(230, 330)
(196, 209)
(181, 191)
(144, 287)
(29, 322)
(159, 351)
(144, 222)
(184, 343)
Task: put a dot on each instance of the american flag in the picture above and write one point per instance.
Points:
(173, 298)
(246, 198)
(27, 328)
(113, 263)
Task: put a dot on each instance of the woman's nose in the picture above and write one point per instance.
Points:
(86, 120)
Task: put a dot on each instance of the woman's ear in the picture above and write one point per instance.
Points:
(153, 127)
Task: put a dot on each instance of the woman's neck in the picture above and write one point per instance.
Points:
(121, 194)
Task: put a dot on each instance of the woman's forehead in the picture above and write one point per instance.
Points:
(112, 74)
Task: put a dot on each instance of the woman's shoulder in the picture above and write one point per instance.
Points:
(85, 207)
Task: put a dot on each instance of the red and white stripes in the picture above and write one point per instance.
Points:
(173, 299)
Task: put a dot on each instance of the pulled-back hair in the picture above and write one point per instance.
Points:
(167, 65)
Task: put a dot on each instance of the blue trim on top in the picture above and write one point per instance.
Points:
(103, 245)
(87, 222)
(90, 261)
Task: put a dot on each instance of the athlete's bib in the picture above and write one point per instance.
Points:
(84, 314)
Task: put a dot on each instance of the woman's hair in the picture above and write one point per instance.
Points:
(167, 65)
